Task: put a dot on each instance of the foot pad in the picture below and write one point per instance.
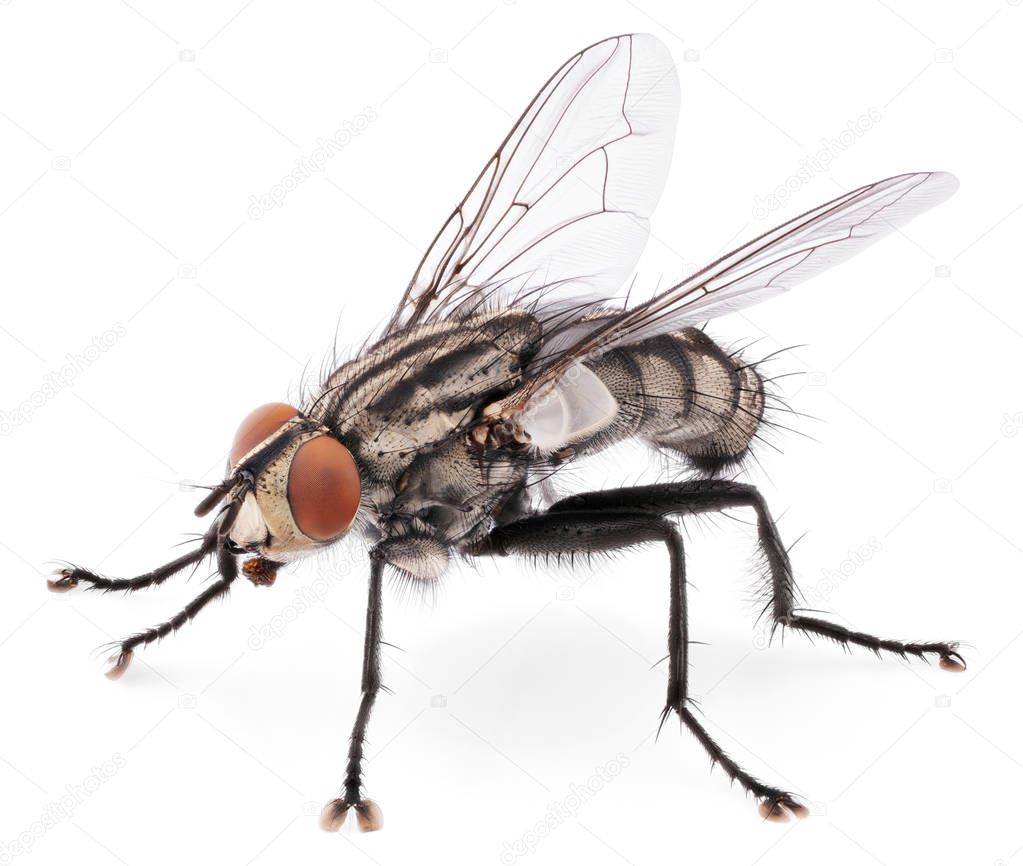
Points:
(367, 814)
(66, 580)
(117, 664)
(781, 808)
(952, 662)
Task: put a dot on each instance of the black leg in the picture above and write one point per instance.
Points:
(68, 578)
(227, 565)
(696, 497)
(217, 539)
(367, 812)
(564, 533)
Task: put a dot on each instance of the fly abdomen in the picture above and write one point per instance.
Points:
(683, 392)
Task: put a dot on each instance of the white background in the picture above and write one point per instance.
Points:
(133, 135)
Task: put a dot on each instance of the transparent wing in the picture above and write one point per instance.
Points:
(795, 251)
(768, 265)
(565, 201)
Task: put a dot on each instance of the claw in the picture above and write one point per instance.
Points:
(781, 808)
(367, 814)
(118, 664)
(65, 582)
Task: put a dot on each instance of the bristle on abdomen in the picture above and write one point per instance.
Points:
(683, 392)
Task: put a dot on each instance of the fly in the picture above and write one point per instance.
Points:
(508, 358)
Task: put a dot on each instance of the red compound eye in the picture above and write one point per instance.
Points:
(257, 426)
(323, 488)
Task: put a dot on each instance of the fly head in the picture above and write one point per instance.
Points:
(298, 488)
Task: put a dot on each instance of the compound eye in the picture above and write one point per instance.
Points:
(323, 488)
(257, 426)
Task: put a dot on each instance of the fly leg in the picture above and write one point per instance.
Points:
(564, 533)
(367, 812)
(215, 539)
(227, 565)
(696, 497)
(68, 578)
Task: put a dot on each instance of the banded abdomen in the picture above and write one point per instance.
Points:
(683, 392)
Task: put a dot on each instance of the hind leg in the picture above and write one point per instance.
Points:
(698, 497)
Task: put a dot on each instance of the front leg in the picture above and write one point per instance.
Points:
(416, 556)
(367, 812)
(68, 578)
(227, 567)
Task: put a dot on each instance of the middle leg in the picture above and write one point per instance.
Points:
(367, 812)
(566, 533)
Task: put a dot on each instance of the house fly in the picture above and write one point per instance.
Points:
(508, 358)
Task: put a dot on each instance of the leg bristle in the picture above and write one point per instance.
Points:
(771, 811)
(799, 810)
